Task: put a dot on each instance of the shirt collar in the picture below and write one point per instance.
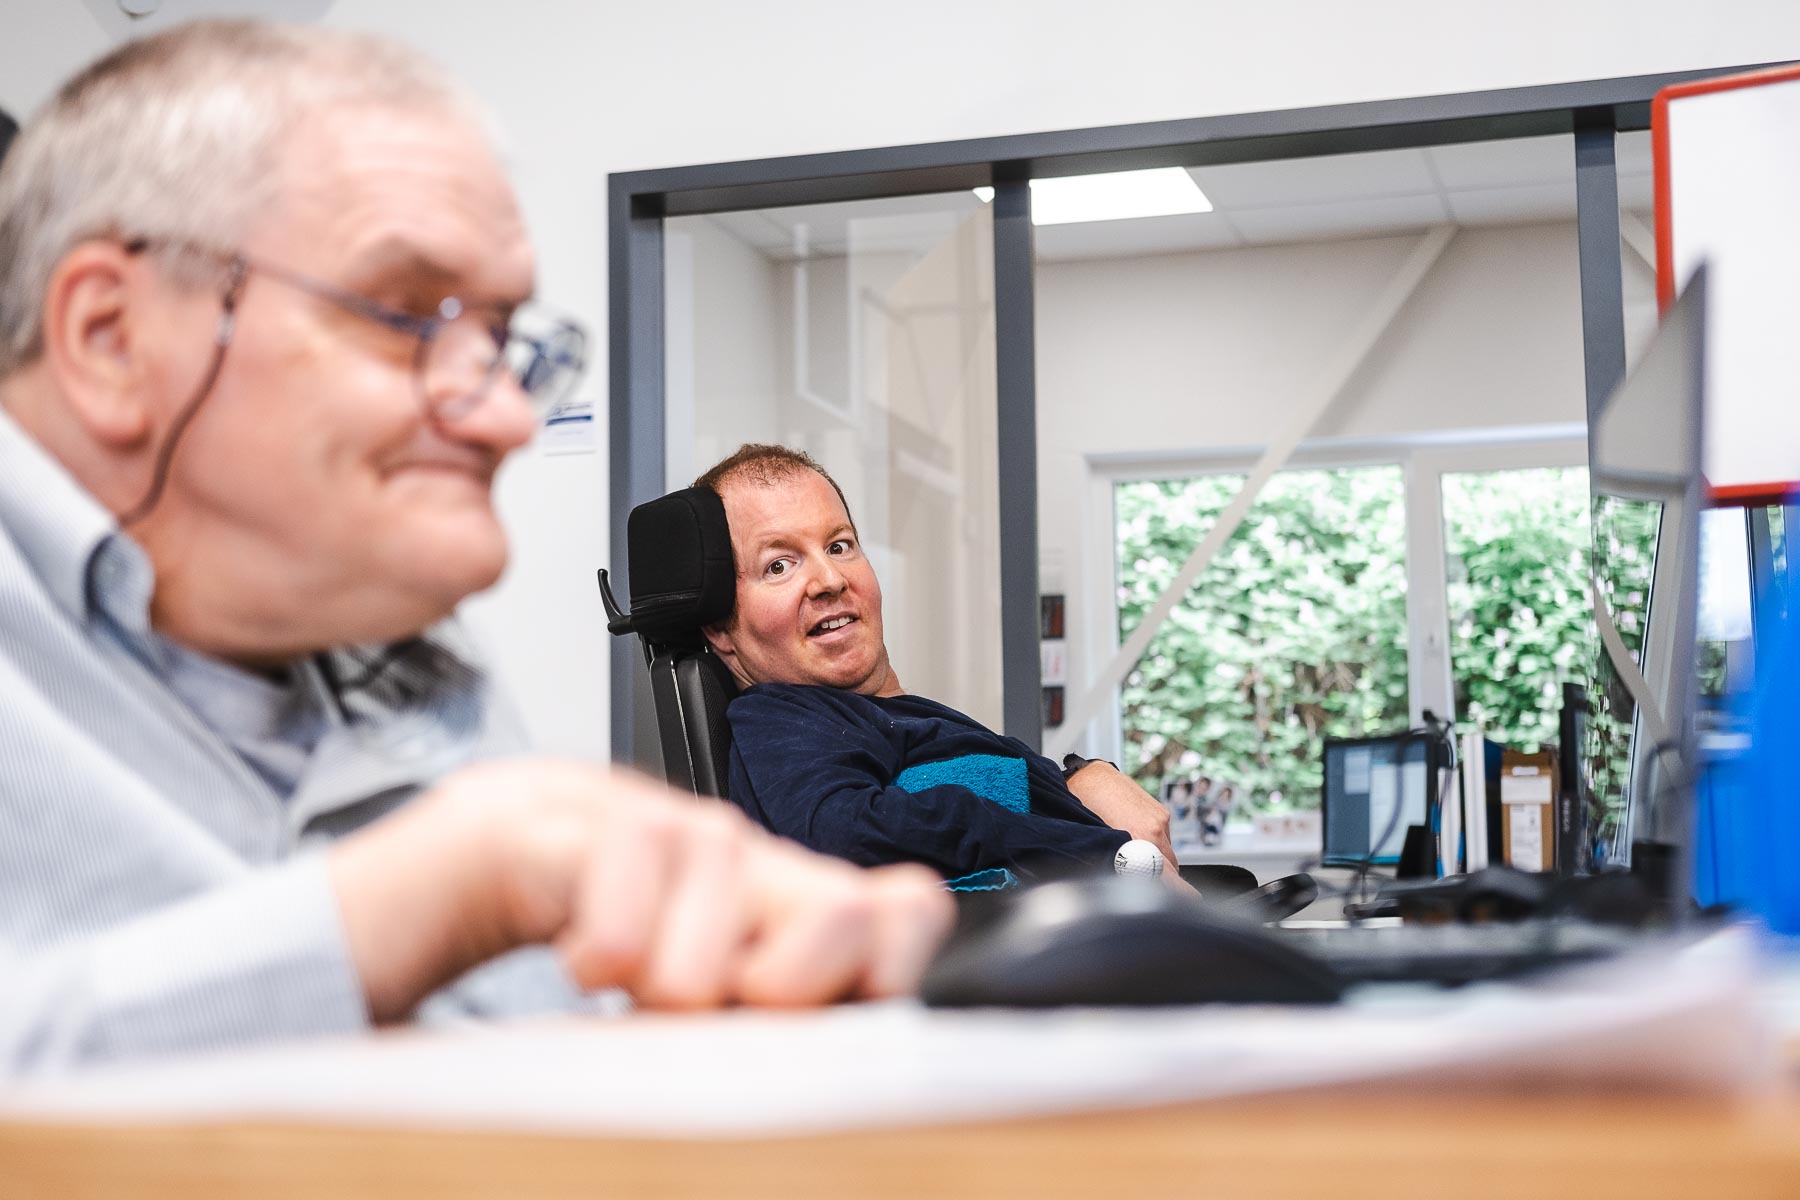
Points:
(67, 537)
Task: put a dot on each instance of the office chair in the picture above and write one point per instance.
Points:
(682, 577)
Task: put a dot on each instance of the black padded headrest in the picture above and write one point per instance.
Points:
(682, 574)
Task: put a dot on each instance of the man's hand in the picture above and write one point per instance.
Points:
(679, 900)
(1116, 799)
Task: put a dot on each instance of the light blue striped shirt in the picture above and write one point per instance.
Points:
(161, 815)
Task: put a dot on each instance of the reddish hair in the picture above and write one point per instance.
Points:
(765, 464)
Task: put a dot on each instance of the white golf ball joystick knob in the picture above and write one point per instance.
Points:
(1138, 857)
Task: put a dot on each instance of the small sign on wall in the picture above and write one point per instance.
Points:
(569, 430)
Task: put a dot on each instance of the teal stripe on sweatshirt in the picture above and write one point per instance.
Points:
(997, 777)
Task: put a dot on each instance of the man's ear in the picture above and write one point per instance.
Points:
(95, 342)
(719, 638)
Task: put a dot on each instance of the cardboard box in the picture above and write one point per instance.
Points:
(1528, 785)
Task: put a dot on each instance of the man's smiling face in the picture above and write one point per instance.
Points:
(315, 478)
(808, 604)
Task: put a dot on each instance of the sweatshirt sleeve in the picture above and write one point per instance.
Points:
(825, 781)
(260, 958)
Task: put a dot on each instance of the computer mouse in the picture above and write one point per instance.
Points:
(1114, 940)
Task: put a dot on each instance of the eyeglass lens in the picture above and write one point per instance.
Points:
(460, 363)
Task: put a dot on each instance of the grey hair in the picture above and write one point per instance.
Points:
(176, 139)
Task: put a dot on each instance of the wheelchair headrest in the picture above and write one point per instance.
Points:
(682, 574)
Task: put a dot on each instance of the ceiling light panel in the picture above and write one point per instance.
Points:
(1121, 195)
(1116, 196)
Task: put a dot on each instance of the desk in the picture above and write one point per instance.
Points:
(1338, 1145)
(1447, 1130)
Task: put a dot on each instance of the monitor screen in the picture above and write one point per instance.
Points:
(1374, 789)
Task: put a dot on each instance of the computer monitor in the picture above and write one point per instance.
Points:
(1573, 856)
(1644, 453)
(1366, 779)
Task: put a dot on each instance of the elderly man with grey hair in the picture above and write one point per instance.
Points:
(264, 341)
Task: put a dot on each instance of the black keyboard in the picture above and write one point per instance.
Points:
(1460, 953)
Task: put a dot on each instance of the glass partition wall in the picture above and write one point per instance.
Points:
(869, 307)
(863, 334)
(1403, 326)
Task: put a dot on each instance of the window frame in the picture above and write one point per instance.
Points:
(1423, 461)
(1593, 111)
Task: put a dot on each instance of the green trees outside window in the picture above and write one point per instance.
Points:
(1516, 547)
(1298, 629)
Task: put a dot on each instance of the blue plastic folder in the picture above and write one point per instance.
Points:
(1747, 834)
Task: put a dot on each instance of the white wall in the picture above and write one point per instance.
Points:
(587, 89)
(897, 401)
(1209, 350)
(728, 337)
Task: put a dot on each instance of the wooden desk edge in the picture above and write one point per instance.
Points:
(1348, 1142)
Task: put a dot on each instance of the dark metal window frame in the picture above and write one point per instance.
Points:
(638, 201)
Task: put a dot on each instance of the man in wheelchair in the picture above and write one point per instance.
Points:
(830, 750)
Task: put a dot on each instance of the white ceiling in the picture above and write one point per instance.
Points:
(1517, 182)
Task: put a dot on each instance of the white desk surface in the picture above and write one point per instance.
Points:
(1690, 1020)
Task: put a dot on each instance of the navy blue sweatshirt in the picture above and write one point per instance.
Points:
(905, 779)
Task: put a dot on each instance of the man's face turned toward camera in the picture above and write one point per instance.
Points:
(808, 603)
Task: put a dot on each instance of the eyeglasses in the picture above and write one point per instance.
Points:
(461, 351)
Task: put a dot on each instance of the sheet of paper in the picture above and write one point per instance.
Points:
(1450, 830)
(1474, 795)
(1384, 794)
(1525, 836)
(1689, 1019)
(1525, 789)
